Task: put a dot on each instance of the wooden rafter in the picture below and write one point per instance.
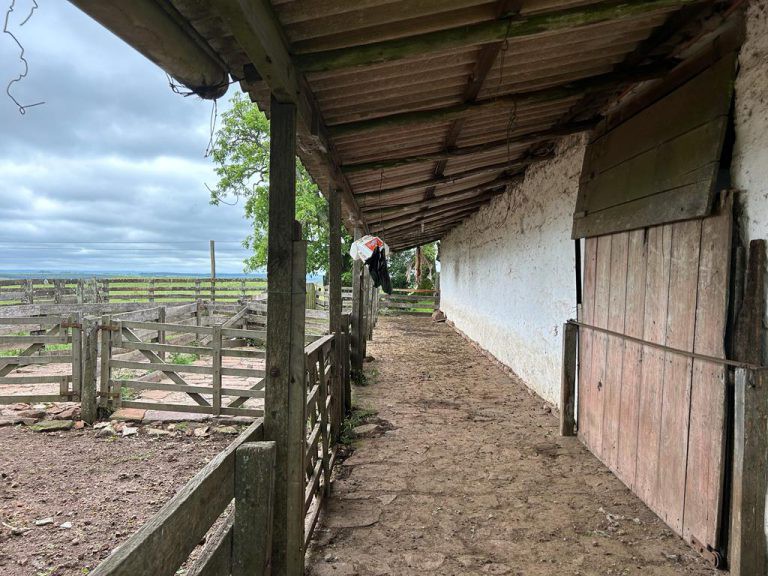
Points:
(450, 153)
(485, 59)
(510, 167)
(481, 33)
(260, 35)
(381, 210)
(587, 85)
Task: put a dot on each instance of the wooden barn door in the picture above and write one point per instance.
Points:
(657, 418)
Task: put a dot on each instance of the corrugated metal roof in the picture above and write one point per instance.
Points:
(480, 75)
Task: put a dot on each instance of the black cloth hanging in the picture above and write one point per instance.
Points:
(377, 268)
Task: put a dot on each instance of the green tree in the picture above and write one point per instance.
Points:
(241, 156)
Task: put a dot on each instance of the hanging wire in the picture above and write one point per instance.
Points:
(214, 117)
(22, 107)
(502, 56)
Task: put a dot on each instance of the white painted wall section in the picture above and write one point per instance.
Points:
(507, 273)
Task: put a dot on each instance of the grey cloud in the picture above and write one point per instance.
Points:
(113, 156)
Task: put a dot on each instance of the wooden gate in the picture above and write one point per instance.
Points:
(656, 418)
(40, 359)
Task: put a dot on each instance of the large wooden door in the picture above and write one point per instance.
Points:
(657, 418)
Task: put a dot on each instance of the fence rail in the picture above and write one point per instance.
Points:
(117, 290)
(401, 301)
(244, 473)
(52, 341)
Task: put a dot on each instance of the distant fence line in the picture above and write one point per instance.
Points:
(185, 290)
(115, 290)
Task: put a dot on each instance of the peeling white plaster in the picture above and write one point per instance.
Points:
(507, 277)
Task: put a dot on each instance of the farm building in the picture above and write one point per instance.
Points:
(597, 175)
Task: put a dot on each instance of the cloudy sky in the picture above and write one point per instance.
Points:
(112, 156)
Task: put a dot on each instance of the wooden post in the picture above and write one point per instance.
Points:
(750, 430)
(213, 270)
(254, 493)
(366, 315)
(748, 552)
(88, 406)
(346, 348)
(161, 333)
(285, 397)
(357, 310)
(151, 289)
(76, 321)
(216, 366)
(311, 296)
(568, 380)
(334, 305)
(106, 400)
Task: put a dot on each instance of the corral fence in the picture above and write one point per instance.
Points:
(401, 301)
(238, 539)
(53, 341)
(116, 290)
(204, 357)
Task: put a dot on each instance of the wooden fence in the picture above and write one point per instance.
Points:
(188, 351)
(105, 290)
(240, 543)
(54, 341)
(401, 301)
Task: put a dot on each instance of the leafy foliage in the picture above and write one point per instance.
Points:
(241, 156)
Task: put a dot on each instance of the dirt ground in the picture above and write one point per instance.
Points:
(105, 487)
(469, 476)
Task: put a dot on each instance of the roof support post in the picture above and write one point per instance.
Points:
(334, 305)
(285, 397)
(357, 311)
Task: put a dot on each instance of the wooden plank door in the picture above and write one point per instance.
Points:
(657, 418)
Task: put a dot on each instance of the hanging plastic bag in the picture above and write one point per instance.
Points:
(362, 249)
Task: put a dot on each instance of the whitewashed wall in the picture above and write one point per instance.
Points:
(750, 162)
(507, 274)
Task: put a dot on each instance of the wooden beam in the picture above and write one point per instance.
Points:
(506, 102)
(370, 210)
(418, 220)
(507, 167)
(481, 33)
(257, 30)
(451, 153)
(379, 214)
(285, 395)
(429, 210)
(485, 59)
(161, 34)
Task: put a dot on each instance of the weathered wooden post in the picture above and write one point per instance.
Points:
(334, 304)
(285, 396)
(254, 491)
(107, 398)
(750, 437)
(357, 310)
(568, 380)
(161, 314)
(88, 397)
(750, 426)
